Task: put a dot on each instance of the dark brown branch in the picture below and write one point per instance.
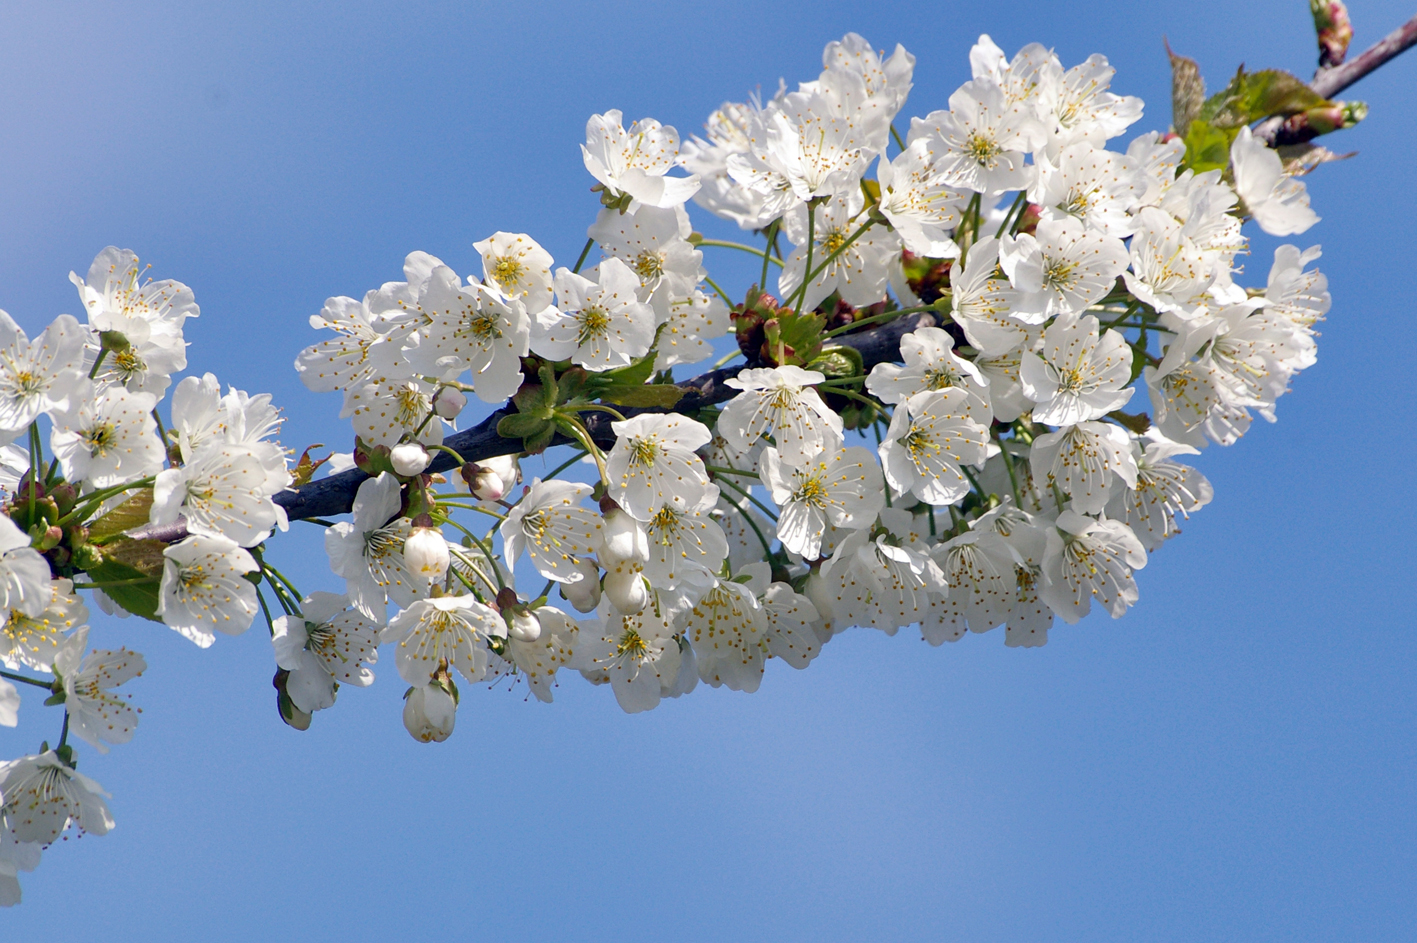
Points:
(1328, 82)
(334, 495)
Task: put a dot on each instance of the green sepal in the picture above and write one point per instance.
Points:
(521, 425)
(838, 361)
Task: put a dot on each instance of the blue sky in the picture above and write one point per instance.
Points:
(1237, 759)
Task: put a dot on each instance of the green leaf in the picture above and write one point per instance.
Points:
(1251, 96)
(1208, 147)
(536, 444)
(522, 425)
(663, 395)
(131, 513)
(1187, 90)
(127, 559)
(633, 375)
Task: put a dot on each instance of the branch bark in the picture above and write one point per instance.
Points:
(1329, 81)
(334, 495)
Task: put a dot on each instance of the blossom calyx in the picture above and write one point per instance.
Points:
(292, 715)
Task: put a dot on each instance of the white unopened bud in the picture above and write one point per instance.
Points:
(425, 553)
(429, 713)
(495, 477)
(626, 588)
(409, 458)
(525, 627)
(625, 539)
(448, 402)
(584, 594)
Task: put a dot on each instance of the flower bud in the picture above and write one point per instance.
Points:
(625, 539)
(448, 402)
(627, 589)
(409, 459)
(525, 627)
(425, 553)
(429, 713)
(584, 594)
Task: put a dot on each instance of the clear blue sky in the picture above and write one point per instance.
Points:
(1237, 759)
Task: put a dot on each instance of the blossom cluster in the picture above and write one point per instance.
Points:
(72, 522)
(989, 476)
(1070, 331)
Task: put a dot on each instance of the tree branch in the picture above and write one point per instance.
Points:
(1331, 80)
(335, 494)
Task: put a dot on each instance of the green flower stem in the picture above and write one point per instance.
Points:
(443, 448)
(98, 497)
(270, 623)
(1013, 475)
(723, 470)
(599, 407)
(736, 352)
(469, 507)
(771, 237)
(573, 425)
(721, 293)
(877, 318)
(1016, 208)
(64, 731)
(895, 135)
(98, 362)
(860, 231)
(282, 577)
(742, 248)
(801, 294)
(47, 685)
(852, 394)
(584, 252)
(767, 548)
(749, 495)
(36, 458)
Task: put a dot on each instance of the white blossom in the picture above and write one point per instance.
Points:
(930, 363)
(638, 654)
(469, 328)
(599, 324)
(95, 714)
(324, 646)
(686, 332)
(683, 536)
(1095, 186)
(922, 208)
(554, 530)
(443, 631)
(781, 403)
(1083, 460)
(1165, 491)
(40, 796)
(930, 436)
(107, 438)
(517, 266)
(654, 243)
(204, 587)
(368, 551)
(842, 488)
(635, 161)
(37, 376)
(429, 713)
(224, 491)
(1087, 558)
(40, 611)
(1279, 203)
(981, 141)
(386, 410)
(980, 571)
(1076, 375)
(1060, 270)
(858, 272)
(653, 463)
(982, 301)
